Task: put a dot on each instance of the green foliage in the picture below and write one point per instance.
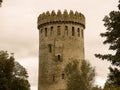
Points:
(72, 66)
(79, 78)
(111, 87)
(114, 77)
(97, 88)
(20, 84)
(112, 23)
(13, 76)
(112, 35)
(6, 70)
(19, 80)
(20, 71)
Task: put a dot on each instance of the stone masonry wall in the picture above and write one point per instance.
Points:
(59, 42)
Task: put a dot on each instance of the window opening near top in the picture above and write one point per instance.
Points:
(82, 33)
(66, 27)
(78, 32)
(51, 31)
(73, 31)
(46, 32)
(58, 30)
(66, 30)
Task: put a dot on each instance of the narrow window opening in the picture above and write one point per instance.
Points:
(58, 30)
(59, 58)
(82, 33)
(51, 31)
(73, 31)
(66, 27)
(66, 30)
(63, 76)
(50, 48)
(46, 32)
(78, 32)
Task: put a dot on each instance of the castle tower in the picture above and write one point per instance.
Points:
(61, 39)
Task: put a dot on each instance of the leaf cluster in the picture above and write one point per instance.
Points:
(112, 35)
(13, 76)
(79, 77)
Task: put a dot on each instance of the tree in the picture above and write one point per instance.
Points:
(112, 35)
(110, 87)
(0, 2)
(6, 69)
(20, 78)
(13, 76)
(79, 78)
(113, 80)
(97, 88)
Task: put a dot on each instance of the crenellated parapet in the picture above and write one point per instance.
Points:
(61, 40)
(59, 17)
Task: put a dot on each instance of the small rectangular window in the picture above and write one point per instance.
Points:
(46, 32)
(59, 58)
(66, 30)
(82, 33)
(73, 31)
(66, 27)
(78, 32)
(58, 30)
(51, 31)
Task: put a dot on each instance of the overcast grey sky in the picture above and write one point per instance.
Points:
(19, 33)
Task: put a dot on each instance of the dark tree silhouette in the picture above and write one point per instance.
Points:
(0, 2)
(13, 76)
(112, 35)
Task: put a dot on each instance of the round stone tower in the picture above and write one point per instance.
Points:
(61, 39)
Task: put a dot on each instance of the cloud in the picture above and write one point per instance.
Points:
(100, 81)
(34, 88)
(19, 34)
